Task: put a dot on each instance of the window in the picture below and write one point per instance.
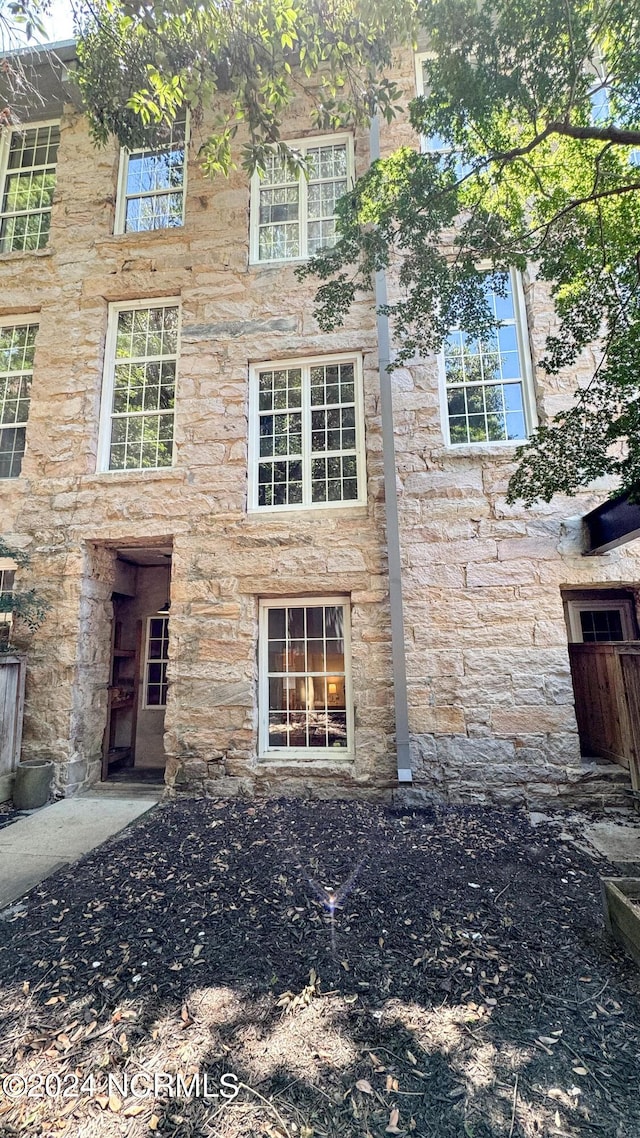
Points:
(305, 690)
(7, 578)
(29, 165)
(156, 660)
(139, 387)
(17, 344)
(487, 383)
(602, 115)
(307, 434)
(601, 621)
(435, 143)
(293, 216)
(152, 183)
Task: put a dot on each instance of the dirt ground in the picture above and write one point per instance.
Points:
(460, 984)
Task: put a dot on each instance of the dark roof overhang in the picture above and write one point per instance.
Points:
(40, 84)
(613, 523)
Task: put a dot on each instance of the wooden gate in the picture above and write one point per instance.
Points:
(12, 673)
(606, 684)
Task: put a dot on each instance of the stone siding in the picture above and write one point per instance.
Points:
(490, 696)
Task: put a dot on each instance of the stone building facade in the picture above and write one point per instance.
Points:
(195, 627)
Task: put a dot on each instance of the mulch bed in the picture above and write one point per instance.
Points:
(464, 985)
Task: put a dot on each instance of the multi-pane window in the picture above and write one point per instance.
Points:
(602, 115)
(601, 621)
(29, 184)
(305, 683)
(293, 213)
(434, 143)
(157, 658)
(486, 379)
(17, 344)
(7, 579)
(307, 434)
(152, 182)
(140, 381)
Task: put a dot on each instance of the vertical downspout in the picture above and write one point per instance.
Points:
(391, 510)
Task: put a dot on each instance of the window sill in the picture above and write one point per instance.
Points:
(302, 513)
(171, 473)
(131, 241)
(278, 264)
(481, 450)
(145, 234)
(319, 760)
(23, 254)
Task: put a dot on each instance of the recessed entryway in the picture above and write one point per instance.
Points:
(604, 653)
(133, 746)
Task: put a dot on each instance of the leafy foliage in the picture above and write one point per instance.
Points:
(26, 606)
(140, 63)
(536, 113)
(20, 21)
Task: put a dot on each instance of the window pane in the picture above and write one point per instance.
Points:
(484, 404)
(306, 677)
(143, 399)
(156, 661)
(601, 625)
(154, 189)
(288, 220)
(17, 345)
(28, 189)
(315, 403)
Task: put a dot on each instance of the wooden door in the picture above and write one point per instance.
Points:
(12, 676)
(630, 664)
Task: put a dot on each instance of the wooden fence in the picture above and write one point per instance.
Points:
(606, 684)
(12, 673)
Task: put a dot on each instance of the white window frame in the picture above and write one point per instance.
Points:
(602, 86)
(305, 362)
(623, 605)
(528, 394)
(302, 753)
(7, 566)
(146, 706)
(419, 59)
(302, 144)
(30, 319)
(425, 147)
(108, 382)
(5, 149)
(121, 196)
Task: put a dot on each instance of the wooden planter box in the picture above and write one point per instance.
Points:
(621, 900)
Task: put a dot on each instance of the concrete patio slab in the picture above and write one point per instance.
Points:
(619, 842)
(35, 847)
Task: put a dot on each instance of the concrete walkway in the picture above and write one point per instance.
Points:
(57, 835)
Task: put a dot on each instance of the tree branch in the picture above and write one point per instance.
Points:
(617, 134)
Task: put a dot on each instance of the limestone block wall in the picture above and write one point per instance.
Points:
(490, 696)
(73, 519)
(491, 705)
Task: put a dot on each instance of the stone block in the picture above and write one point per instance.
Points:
(502, 573)
(424, 720)
(520, 720)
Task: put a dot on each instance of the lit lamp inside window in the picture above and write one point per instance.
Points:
(333, 688)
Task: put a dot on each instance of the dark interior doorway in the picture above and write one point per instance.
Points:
(133, 748)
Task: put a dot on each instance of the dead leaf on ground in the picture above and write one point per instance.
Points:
(394, 1118)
